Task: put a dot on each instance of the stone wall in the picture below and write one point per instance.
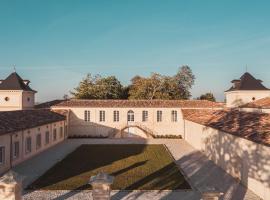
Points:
(95, 128)
(243, 159)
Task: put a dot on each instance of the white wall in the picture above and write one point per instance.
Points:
(21, 136)
(78, 127)
(28, 100)
(238, 98)
(14, 102)
(243, 159)
(258, 110)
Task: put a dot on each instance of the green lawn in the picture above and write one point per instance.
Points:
(135, 167)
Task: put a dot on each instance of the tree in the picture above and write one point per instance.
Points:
(97, 87)
(185, 80)
(163, 87)
(207, 96)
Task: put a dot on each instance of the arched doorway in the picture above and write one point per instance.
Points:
(130, 121)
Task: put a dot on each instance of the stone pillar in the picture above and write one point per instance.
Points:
(101, 186)
(10, 186)
(211, 194)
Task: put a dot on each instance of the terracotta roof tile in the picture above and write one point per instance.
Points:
(12, 121)
(140, 103)
(251, 126)
(48, 105)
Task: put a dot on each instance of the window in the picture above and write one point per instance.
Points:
(54, 134)
(61, 132)
(28, 145)
(6, 98)
(47, 137)
(130, 116)
(253, 98)
(65, 130)
(144, 115)
(28, 99)
(116, 116)
(159, 116)
(87, 115)
(16, 149)
(102, 116)
(174, 116)
(2, 155)
(38, 141)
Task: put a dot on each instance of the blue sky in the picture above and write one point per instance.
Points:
(54, 43)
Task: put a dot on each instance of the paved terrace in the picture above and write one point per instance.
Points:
(199, 171)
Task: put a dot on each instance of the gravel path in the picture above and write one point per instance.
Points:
(199, 171)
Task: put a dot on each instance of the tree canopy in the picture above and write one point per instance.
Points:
(207, 96)
(156, 86)
(97, 87)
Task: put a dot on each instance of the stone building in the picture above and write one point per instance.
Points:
(25, 131)
(236, 138)
(245, 90)
(16, 94)
(128, 118)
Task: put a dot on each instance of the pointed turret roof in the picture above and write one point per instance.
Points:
(15, 82)
(247, 82)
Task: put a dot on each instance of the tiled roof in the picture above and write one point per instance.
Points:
(12, 121)
(140, 103)
(249, 125)
(15, 82)
(247, 82)
(48, 105)
(261, 103)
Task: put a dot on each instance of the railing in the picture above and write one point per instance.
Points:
(144, 128)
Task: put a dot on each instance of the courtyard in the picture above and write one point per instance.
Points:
(134, 166)
(199, 172)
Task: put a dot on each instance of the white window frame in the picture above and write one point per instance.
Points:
(87, 115)
(38, 137)
(3, 155)
(130, 116)
(61, 131)
(102, 115)
(47, 137)
(16, 154)
(116, 116)
(159, 116)
(54, 134)
(174, 116)
(144, 116)
(28, 149)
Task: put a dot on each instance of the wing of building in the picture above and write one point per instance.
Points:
(231, 136)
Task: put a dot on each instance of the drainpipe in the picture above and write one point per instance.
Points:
(10, 152)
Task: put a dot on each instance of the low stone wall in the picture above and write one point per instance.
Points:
(243, 159)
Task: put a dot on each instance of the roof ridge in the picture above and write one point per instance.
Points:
(15, 82)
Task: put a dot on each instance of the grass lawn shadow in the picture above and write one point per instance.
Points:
(134, 166)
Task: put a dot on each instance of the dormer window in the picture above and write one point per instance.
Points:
(236, 83)
(26, 82)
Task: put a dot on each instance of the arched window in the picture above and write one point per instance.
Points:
(130, 116)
